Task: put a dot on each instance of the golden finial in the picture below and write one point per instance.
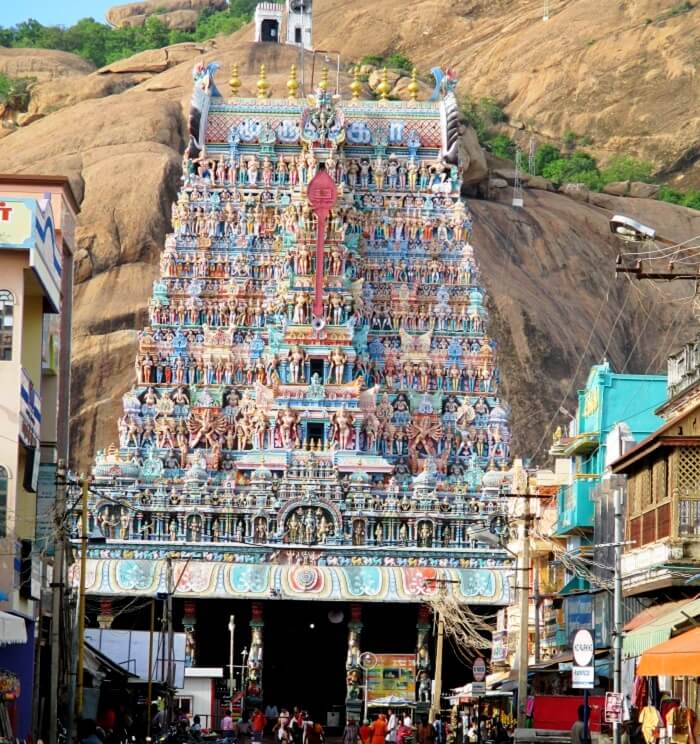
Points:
(235, 81)
(384, 88)
(356, 85)
(292, 83)
(323, 83)
(413, 85)
(263, 86)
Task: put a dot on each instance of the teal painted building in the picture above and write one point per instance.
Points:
(607, 399)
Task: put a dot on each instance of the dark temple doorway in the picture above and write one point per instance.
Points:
(305, 654)
(269, 30)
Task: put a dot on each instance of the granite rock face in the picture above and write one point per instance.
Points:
(180, 14)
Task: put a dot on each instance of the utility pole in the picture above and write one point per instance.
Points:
(81, 599)
(57, 587)
(437, 688)
(149, 692)
(231, 679)
(523, 653)
(170, 680)
(617, 602)
(536, 597)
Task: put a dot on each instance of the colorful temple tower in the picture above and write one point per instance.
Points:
(315, 412)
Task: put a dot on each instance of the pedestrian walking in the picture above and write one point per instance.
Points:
(425, 732)
(379, 729)
(271, 714)
(392, 726)
(405, 732)
(365, 732)
(227, 725)
(351, 732)
(257, 725)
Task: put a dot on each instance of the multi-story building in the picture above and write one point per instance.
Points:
(663, 500)
(37, 225)
(614, 411)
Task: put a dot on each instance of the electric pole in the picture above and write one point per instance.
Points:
(617, 603)
(57, 587)
(81, 599)
(524, 652)
(437, 687)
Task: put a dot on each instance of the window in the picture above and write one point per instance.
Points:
(4, 477)
(7, 307)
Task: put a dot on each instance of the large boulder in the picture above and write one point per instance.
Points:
(392, 77)
(617, 188)
(640, 190)
(472, 157)
(577, 191)
(135, 14)
(42, 64)
(540, 183)
(401, 91)
(153, 61)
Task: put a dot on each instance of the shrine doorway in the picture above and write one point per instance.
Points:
(305, 651)
(269, 30)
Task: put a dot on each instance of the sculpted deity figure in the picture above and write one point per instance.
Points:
(296, 365)
(338, 360)
(267, 172)
(342, 428)
(252, 170)
(323, 530)
(294, 529)
(287, 421)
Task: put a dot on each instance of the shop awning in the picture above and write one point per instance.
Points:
(660, 629)
(13, 629)
(574, 586)
(678, 657)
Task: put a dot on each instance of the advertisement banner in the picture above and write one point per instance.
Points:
(394, 675)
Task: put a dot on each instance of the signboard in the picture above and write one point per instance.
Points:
(45, 507)
(27, 224)
(479, 669)
(478, 689)
(394, 674)
(29, 411)
(613, 707)
(499, 647)
(583, 670)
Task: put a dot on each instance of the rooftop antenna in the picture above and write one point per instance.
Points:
(531, 157)
(545, 10)
(517, 185)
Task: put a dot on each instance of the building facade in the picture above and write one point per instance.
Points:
(37, 225)
(316, 397)
(663, 501)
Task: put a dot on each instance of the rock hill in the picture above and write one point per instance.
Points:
(118, 133)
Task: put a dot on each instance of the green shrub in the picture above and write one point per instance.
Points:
(502, 147)
(14, 92)
(544, 155)
(570, 140)
(399, 61)
(491, 111)
(627, 168)
(579, 168)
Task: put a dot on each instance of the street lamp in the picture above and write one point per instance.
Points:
(231, 677)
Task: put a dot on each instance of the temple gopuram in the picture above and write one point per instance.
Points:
(315, 412)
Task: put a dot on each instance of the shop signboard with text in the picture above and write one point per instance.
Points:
(394, 675)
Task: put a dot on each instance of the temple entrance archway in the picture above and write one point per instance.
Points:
(269, 30)
(305, 656)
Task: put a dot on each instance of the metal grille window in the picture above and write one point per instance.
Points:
(7, 321)
(688, 476)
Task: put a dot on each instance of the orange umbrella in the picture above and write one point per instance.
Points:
(677, 657)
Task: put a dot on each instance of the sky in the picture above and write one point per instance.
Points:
(53, 12)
